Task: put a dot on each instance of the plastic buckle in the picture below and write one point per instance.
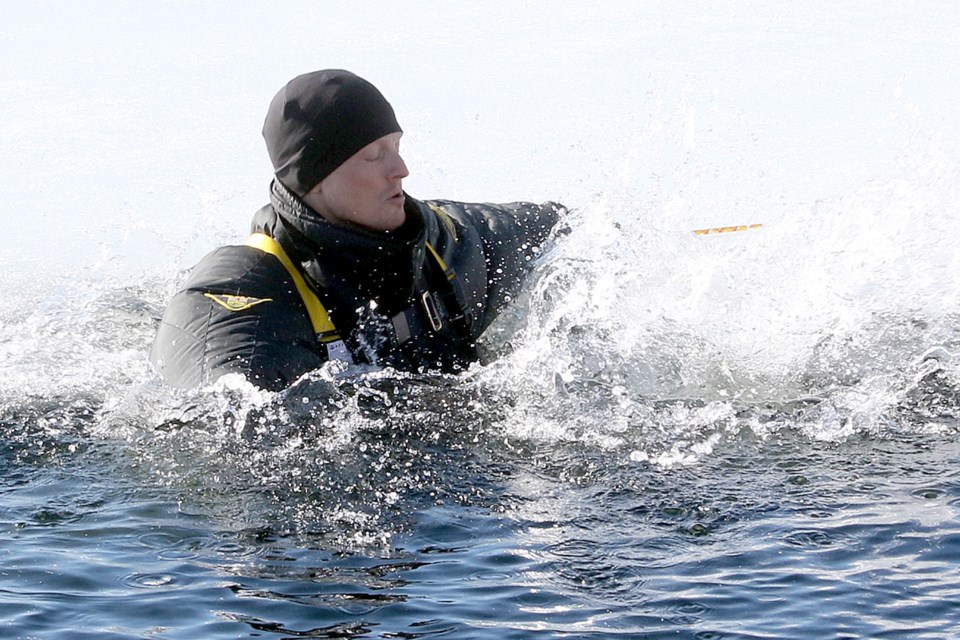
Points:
(433, 313)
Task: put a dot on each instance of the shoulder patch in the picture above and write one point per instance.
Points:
(236, 303)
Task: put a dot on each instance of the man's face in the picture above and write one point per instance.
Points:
(366, 189)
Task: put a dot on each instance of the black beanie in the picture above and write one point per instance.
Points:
(320, 119)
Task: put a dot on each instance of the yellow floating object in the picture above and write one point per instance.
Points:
(715, 230)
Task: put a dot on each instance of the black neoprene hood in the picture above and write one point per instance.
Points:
(320, 119)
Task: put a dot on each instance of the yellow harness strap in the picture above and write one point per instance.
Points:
(318, 315)
(443, 265)
(322, 324)
(445, 219)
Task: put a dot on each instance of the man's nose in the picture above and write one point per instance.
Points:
(399, 168)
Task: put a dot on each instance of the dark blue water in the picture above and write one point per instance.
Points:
(746, 435)
(753, 438)
(478, 536)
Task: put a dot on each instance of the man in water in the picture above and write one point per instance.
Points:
(342, 264)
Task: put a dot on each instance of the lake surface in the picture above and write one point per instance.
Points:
(609, 472)
(748, 434)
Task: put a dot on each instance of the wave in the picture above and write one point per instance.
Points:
(636, 342)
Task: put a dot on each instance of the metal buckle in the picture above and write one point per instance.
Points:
(433, 313)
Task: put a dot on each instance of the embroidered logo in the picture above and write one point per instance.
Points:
(236, 303)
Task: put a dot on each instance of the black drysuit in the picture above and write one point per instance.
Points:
(416, 298)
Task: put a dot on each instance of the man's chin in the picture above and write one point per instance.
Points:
(391, 219)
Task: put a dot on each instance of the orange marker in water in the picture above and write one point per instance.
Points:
(715, 230)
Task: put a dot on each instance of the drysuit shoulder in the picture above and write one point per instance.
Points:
(509, 237)
(239, 311)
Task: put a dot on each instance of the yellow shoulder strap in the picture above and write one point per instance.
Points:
(445, 219)
(443, 265)
(318, 315)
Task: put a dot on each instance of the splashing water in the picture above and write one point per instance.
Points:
(833, 318)
(634, 336)
(650, 393)
(748, 434)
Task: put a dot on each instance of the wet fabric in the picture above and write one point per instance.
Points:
(239, 311)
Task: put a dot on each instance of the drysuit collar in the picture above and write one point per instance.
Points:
(381, 266)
